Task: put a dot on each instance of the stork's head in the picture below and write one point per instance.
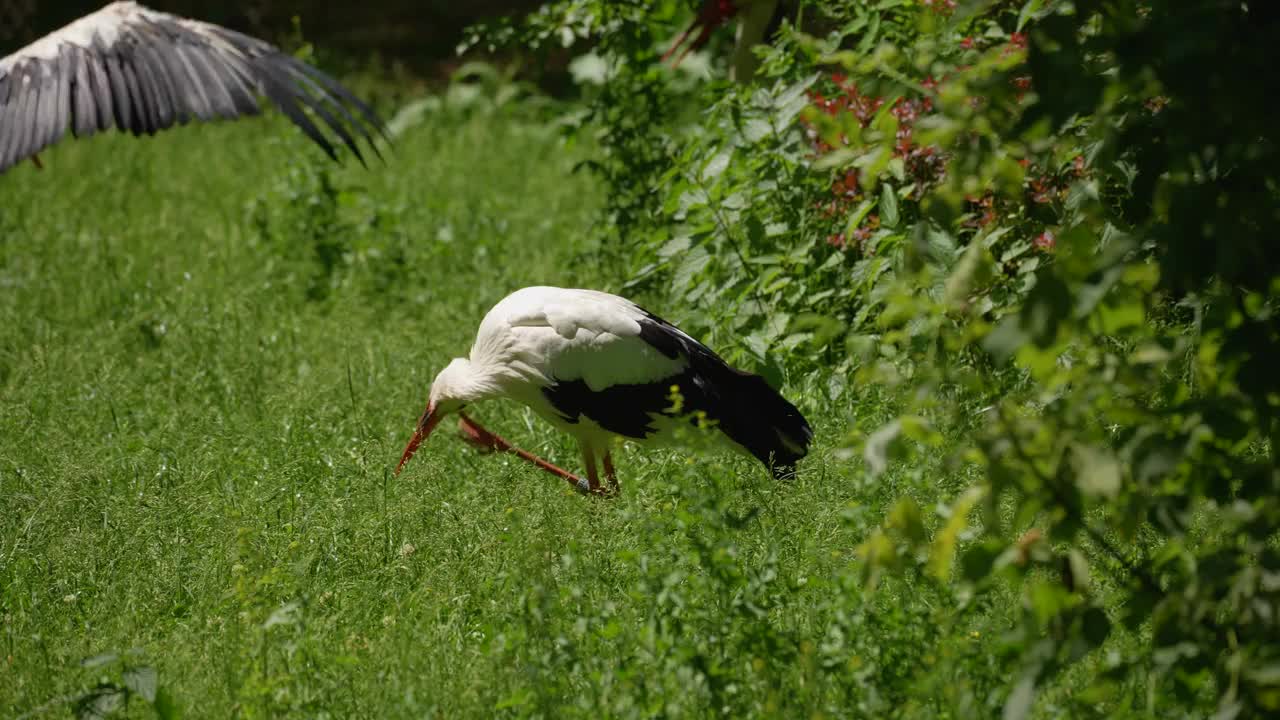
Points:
(454, 387)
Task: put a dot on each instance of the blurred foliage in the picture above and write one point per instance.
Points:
(414, 32)
(1045, 227)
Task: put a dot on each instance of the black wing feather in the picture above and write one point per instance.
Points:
(213, 85)
(8, 112)
(335, 93)
(158, 70)
(29, 130)
(317, 105)
(100, 87)
(742, 404)
(177, 97)
(276, 88)
(155, 92)
(15, 135)
(84, 105)
(118, 99)
(60, 114)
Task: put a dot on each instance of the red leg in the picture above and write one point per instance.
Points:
(479, 437)
(611, 474)
(593, 477)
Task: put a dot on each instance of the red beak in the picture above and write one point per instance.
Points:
(713, 14)
(425, 425)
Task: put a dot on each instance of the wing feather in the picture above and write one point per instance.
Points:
(143, 71)
(575, 335)
(100, 86)
(84, 104)
(60, 112)
(116, 97)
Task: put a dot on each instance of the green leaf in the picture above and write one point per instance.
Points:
(1047, 599)
(1021, 698)
(791, 101)
(974, 268)
(1097, 471)
(1077, 571)
(1266, 675)
(674, 246)
(905, 518)
(519, 698)
(888, 206)
(1006, 339)
(825, 329)
(165, 706)
(1101, 691)
(879, 445)
(1114, 318)
(1150, 354)
(1095, 289)
(717, 165)
(898, 169)
(589, 69)
(694, 262)
(943, 549)
(838, 158)
(1028, 11)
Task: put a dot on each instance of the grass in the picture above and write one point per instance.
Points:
(212, 349)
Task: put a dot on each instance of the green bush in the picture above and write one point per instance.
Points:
(1044, 228)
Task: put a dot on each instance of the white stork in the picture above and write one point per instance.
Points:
(598, 366)
(758, 19)
(136, 69)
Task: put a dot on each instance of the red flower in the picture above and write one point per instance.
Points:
(1018, 40)
(847, 186)
(1023, 84)
(836, 240)
(985, 204)
(1046, 241)
(967, 43)
(1042, 189)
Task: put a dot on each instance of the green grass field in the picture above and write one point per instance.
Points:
(212, 349)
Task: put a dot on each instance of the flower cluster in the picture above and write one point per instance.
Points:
(840, 107)
(846, 105)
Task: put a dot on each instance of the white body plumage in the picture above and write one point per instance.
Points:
(596, 366)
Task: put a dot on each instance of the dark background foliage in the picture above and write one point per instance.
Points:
(419, 33)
